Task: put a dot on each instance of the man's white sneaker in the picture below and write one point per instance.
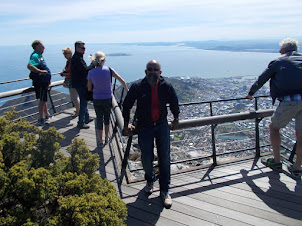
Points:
(167, 200)
(149, 188)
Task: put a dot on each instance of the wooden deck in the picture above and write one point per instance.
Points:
(242, 193)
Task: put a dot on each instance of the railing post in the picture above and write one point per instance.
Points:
(213, 126)
(257, 120)
(50, 98)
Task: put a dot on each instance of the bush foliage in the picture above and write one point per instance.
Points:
(41, 186)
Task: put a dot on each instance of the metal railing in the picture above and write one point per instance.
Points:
(55, 100)
(210, 120)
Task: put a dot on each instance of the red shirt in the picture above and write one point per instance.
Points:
(155, 104)
(67, 69)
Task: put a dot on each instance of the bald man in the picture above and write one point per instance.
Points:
(152, 94)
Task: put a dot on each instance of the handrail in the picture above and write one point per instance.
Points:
(23, 79)
(26, 90)
(118, 114)
(219, 119)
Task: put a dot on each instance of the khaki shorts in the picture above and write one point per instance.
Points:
(285, 112)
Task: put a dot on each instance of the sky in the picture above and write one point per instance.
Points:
(120, 21)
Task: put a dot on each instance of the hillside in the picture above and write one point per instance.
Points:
(186, 89)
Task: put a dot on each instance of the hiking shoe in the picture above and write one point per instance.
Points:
(149, 188)
(270, 162)
(295, 173)
(166, 198)
(47, 117)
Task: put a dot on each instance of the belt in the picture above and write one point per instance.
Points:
(152, 124)
(295, 97)
(157, 123)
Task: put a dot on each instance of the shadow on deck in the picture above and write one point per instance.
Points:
(238, 193)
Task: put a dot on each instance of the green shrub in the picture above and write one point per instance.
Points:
(41, 186)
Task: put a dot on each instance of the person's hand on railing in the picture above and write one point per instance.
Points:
(128, 130)
(174, 123)
(250, 97)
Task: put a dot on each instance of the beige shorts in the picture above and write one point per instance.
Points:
(285, 112)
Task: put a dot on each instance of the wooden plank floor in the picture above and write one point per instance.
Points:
(242, 193)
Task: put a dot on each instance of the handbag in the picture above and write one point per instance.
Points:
(67, 83)
(88, 94)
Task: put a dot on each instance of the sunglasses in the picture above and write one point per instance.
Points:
(83, 48)
(152, 69)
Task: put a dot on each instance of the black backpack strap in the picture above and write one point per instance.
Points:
(110, 73)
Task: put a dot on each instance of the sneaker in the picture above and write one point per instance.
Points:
(80, 126)
(41, 122)
(100, 145)
(89, 120)
(295, 173)
(47, 117)
(166, 198)
(270, 162)
(149, 188)
(74, 116)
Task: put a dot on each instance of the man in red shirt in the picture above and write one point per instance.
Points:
(152, 94)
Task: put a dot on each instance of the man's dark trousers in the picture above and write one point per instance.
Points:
(161, 133)
(83, 112)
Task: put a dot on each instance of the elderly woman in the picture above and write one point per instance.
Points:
(99, 82)
(67, 52)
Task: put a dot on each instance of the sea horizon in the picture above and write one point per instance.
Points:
(129, 60)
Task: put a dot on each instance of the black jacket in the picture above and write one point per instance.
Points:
(79, 70)
(285, 75)
(141, 91)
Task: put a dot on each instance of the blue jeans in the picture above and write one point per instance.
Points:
(146, 136)
(83, 113)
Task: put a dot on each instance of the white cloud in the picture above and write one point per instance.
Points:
(157, 20)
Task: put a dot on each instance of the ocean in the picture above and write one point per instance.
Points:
(130, 61)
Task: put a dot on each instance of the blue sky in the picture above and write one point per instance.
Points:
(112, 21)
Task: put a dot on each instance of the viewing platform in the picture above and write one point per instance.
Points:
(232, 192)
(238, 193)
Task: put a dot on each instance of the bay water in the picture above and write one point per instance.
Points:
(130, 61)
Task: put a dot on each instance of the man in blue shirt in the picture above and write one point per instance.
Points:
(41, 76)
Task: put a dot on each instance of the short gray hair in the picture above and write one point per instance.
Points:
(289, 44)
